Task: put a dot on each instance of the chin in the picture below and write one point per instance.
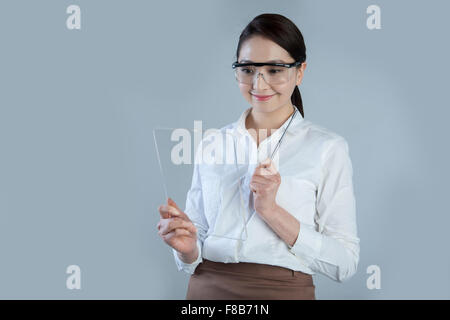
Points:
(261, 107)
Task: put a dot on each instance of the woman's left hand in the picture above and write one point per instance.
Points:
(264, 185)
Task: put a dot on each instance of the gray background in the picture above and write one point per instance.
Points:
(79, 181)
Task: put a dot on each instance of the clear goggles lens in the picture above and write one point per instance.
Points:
(271, 74)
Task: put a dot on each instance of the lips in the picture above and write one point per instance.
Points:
(262, 97)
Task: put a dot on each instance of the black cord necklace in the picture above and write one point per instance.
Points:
(279, 141)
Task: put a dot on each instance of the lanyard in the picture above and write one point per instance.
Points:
(244, 229)
(279, 141)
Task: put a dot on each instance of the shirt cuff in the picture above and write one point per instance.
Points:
(188, 267)
(308, 243)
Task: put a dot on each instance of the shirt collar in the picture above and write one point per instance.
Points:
(296, 123)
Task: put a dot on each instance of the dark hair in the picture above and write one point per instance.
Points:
(283, 32)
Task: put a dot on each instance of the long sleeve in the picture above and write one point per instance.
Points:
(195, 211)
(331, 246)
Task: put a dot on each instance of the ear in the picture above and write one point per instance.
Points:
(300, 74)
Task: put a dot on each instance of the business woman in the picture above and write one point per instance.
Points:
(304, 214)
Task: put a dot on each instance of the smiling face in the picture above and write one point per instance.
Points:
(259, 49)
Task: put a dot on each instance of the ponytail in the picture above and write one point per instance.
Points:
(296, 100)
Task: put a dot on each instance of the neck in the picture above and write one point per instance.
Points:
(269, 120)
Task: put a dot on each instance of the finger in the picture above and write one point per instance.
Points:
(172, 203)
(263, 171)
(167, 211)
(180, 212)
(175, 223)
(269, 165)
(265, 163)
(163, 212)
(263, 180)
(176, 233)
(255, 186)
(163, 232)
(268, 170)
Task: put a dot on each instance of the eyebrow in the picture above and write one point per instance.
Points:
(270, 61)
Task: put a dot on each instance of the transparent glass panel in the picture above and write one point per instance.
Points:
(213, 158)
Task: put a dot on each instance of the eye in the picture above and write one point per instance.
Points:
(246, 70)
(274, 71)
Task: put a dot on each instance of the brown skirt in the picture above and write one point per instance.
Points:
(248, 281)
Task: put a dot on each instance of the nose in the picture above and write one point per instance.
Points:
(259, 82)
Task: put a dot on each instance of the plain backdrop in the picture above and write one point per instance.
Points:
(79, 179)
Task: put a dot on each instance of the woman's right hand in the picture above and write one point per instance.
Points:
(176, 229)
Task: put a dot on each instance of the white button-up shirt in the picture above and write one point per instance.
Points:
(316, 188)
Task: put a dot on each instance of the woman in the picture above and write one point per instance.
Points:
(305, 219)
